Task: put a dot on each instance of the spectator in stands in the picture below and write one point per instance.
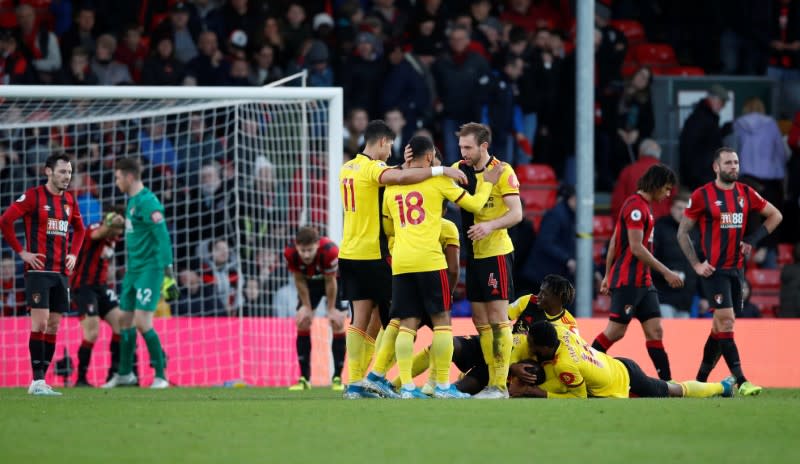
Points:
(132, 51)
(322, 28)
(197, 298)
(700, 137)
(220, 269)
(41, 44)
(237, 14)
(271, 35)
(395, 120)
(784, 45)
(82, 34)
(632, 119)
(503, 114)
(518, 14)
(12, 288)
(393, 19)
(79, 72)
(523, 236)
(427, 37)
(554, 249)
(675, 302)
(762, 158)
(209, 66)
(85, 192)
(295, 30)
(15, 65)
(462, 78)
(264, 68)
(239, 74)
(408, 86)
(256, 299)
(356, 124)
(362, 74)
(791, 210)
(155, 146)
(12, 174)
(625, 186)
(108, 70)
(611, 52)
(236, 48)
(486, 28)
(745, 36)
(196, 147)
(162, 68)
(790, 287)
(184, 34)
(315, 59)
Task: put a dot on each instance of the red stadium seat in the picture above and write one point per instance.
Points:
(683, 71)
(602, 306)
(764, 280)
(632, 29)
(655, 54)
(629, 68)
(768, 305)
(785, 254)
(603, 227)
(538, 199)
(531, 174)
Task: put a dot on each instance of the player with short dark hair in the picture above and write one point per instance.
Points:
(722, 208)
(50, 253)
(628, 264)
(148, 274)
(363, 267)
(490, 258)
(94, 298)
(313, 262)
(573, 369)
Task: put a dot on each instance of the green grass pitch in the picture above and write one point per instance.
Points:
(195, 425)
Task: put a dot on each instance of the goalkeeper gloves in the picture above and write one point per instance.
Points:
(169, 289)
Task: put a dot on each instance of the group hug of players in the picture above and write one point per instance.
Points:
(398, 267)
(63, 258)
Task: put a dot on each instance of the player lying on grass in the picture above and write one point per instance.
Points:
(573, 369)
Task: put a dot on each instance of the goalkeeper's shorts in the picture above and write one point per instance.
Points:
(141, 290)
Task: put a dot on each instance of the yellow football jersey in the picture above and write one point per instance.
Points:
(525, 311)
(360, 184)
(498, 242)
(416, 214)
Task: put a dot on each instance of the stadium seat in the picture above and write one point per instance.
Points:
(601, 306)
(539, 199)
(768, 305)
(651, 54)
(764, 280)
(530, 174)
(603, 227)
(682, 71)
(632, 29)
(629, 68)
(785, 254)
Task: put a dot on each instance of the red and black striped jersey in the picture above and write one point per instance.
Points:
(47, 218)
(722, 217)
(91, 268)
(627, 270)
(325, 262)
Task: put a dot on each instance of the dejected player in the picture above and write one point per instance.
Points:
(722, 209)
(313, 262)
(49, 255)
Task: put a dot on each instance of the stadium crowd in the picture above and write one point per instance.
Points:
(425, 66)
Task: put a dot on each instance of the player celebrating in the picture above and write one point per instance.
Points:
(313, 261)
(49, 255)
(420, 286)
(576, 370)
(365, 272)
(628, 265)
(148, 273)
(723, 207)
(490, 258)
(94, 298)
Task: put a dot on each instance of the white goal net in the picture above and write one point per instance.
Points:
(237, 169)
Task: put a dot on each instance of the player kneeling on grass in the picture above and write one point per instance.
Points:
(313, 261)
(92, 295)
(573, 369)
(148, 273)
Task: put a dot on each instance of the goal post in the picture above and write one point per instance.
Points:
(241, 165)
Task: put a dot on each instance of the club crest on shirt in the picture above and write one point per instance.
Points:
(718, 298)
(567, 378)
(513, 182)
(628, 309)
(21, 198)
(67, 210)
(741, 202)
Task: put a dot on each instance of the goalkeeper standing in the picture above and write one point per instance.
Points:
(148, 273)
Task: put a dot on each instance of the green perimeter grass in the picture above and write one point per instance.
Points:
(195, 425)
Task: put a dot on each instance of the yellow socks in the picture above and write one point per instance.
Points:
(386, 348)
(487, 340)
(442, 349)
(355, 354)
(694, 389)
(369, 350)
(404, 350)
(502, 343)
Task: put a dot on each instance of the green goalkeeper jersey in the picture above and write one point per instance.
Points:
(146, 235)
